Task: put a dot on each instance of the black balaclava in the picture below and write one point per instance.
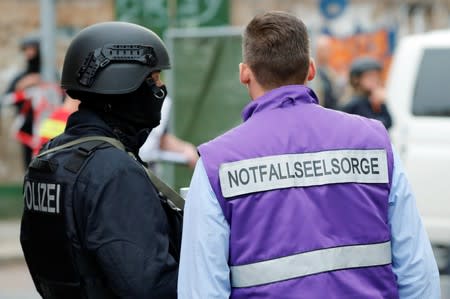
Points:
(131, 116)
(141, 108)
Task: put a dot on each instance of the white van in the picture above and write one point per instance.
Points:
(418, 94)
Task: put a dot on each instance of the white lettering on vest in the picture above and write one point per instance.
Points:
(42, 197)
(303, 170)
(42, 205)
(28, 194)
(51, 198)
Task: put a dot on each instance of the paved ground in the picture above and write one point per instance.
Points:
(10, 247)
(445, 287)
(16, 283)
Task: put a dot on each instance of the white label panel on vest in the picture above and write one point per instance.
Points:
(303, 170)
(42, 197)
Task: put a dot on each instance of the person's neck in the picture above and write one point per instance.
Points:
(131, 136)
(256, 91)
(362, 93)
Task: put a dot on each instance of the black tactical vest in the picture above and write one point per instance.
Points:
(59, 266)
(58, 263)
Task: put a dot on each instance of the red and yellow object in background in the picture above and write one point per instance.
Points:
(55, 124)
(40, 100)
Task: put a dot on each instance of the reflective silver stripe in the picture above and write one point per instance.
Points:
(308, 263)
(303, 170)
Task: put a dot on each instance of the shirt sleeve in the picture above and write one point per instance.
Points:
(149, 150)
(413, 262)
(204, 271)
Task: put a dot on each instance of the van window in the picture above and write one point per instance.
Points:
(432, 93)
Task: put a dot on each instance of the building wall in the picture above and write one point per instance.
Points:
(364, 27)
(19, 18)
(411, 15)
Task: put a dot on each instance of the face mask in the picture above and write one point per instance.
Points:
(142, 108)
(154, 104)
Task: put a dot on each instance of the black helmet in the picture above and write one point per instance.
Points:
(364, 64)
(112, 58)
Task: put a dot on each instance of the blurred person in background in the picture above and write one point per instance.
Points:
(29, 77)
(161, 145)
(325, 83)
(55, 124)
(94, 225)
(368, 95)
(300, 201)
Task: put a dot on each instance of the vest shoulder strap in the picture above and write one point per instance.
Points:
(166, 190)
(114, 142)
(92, 143)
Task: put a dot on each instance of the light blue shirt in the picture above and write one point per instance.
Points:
(204, 271)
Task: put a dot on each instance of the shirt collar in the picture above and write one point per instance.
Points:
(278, 97)
(86, 122)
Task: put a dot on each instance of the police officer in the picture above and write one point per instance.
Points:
(93, 224)
(300, 201)
(368, 98)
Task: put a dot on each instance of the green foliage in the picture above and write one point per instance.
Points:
(11, 204)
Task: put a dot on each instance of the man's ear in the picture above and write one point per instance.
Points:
(244, 73)
(312, 70)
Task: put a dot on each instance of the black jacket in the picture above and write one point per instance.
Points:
(119, 217)
(360, 105)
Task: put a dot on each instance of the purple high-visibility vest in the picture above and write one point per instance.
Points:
(305, 191)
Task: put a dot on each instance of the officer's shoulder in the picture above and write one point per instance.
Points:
(370, 125)
(112, 155)
(110, 161)
(352, 104)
